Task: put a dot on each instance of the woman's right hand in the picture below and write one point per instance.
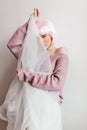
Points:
(36, 14)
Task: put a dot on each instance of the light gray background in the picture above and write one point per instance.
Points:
(70, 20)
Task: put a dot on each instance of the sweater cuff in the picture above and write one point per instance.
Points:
(27, 76)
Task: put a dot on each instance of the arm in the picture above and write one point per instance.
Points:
(15, 43)
(53, 82)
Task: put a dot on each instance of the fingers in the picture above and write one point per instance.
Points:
(20, 74)
(18, 71)
(36, 12)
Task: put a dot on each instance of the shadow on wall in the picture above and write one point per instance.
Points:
(7, 74)
(4, 125)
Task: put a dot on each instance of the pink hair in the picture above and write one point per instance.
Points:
(46, 27)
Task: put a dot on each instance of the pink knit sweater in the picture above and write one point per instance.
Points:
(53, 82)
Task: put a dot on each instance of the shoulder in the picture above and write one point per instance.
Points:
(62, 55)
(62, 50)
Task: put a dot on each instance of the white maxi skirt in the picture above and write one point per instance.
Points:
(29, 108)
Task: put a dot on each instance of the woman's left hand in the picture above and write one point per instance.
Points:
(20, 74)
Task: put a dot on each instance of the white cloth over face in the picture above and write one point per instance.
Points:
(26, 107)
(35, 57)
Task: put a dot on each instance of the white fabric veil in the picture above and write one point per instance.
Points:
(26, 107)
(34, 57)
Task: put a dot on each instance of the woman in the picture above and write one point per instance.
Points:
(38, 101)
(56, 54)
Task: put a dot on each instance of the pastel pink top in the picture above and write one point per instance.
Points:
(53, 82)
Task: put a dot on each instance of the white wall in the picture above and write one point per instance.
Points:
(70, 19)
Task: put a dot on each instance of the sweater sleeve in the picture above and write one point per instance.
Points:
(53, 82)
(15, 42)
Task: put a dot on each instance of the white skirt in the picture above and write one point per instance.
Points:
(29, 108)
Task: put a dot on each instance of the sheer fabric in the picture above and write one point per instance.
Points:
(26, 107)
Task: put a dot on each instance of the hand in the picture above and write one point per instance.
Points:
(36, 14)
(20, 74)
